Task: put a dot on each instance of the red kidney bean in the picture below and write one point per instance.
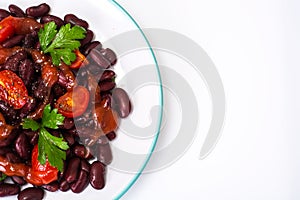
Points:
(90, 46)
(68, 74)
(90, 137)
(38, 112)
(82, 131)
(85, 165)
(68, 123)
(107, 86)
(16, 11)
(110, 55)
(58, 91)
(51, 18)
(81, 183)
(3, 14)
(91, 123)
(29, 133)
(4, 151)
(7, 189)
(34, 140)
(37, 46)
(26, 71)
(99, 59)
(82, 77)
(38, 11)
(62, 173)
(108, 75)
(52, 187)
(13, 157)
(18, 180)
(110, 100)
(79, 150)
(88, 38)
(102, 140)
(38, 89)
(64, 186)
(82, 120)
(9, 140)
(62, 79)
(95, 70)
(94, 89)
(31, 193)
(13, 41)
(28, 107)
(104, 154)
(55, 133)
(69, 153)
(89, 155)
(12, 62)
(87, 141)
(69, 138)
(6, 110)
(111, 136)
(123, 102)
(22, 146)
(74, 20)
(30, 40)
(73, 131)
(106, 100)
(97, 175)
(72, 171)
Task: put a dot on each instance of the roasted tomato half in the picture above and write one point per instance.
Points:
(41, 174)
(12, 89)
(73, 103)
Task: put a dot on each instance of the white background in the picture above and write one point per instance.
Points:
(255, 47)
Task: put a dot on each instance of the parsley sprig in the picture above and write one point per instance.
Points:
(3, 177)
(61, 44)
(49, 146)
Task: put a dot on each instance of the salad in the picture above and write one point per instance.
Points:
(59, 104)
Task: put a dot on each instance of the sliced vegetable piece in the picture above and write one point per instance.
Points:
(17, 25)
(80, 60)
(45, 173)
(12, 89)
(7, 29)
(106, 117)
(73, 103)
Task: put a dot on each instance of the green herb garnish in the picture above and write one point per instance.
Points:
(3, 177)
(49, 146)
(61, 44)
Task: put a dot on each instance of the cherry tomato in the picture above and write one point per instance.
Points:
(43, 174)
(80, 60)
(6, 28)
(12, 89)
(73, 103)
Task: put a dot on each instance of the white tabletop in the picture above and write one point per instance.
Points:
(255, 47)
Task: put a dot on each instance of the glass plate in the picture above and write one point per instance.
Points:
(138, 74)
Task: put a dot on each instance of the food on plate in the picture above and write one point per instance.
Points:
(59, 105)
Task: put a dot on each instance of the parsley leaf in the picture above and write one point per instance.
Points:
(30, 124)
(61, 44)
(49, 147)
(47, 34)
(3, 177)
(51, 119)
